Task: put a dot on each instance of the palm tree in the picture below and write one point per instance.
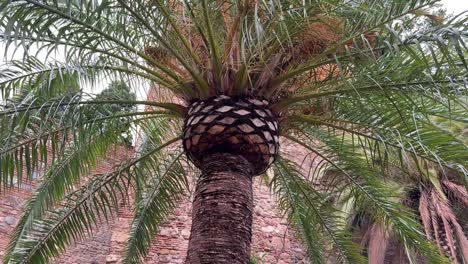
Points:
(344, 80)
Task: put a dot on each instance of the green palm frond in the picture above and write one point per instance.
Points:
(34, 132)
(351, 81)
(396, 124)
(369, 191)
(251, 34)
(392, 139)
(83, 31)
(156, 133)
(35, 77)
(79, 212)
(434, 77)
(409, 123)
(50, 235)
(160, 198)
(310, 211)
(61, 178)
(76, 161)
(160, 182)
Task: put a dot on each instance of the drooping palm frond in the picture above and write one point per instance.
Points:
(70, 222)
(378, 243)
(61, 178)
(159, 200)
(441, 224)
(75, 163)
(33, 132)
(456, 191)
(77, 134)
(369, 191)
(80, 211)
(318, 222)
(159, 185)
(412, 175)
(399, 126)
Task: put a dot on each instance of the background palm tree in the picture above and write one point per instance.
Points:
(440, 201)
(345, 80)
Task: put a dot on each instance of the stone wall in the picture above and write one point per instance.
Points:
(12, 201)
(273, 241)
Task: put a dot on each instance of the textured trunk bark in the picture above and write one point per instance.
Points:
(222, 211)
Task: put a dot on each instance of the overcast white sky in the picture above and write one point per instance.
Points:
(455, 6)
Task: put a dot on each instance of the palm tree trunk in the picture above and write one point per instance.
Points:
(222, 211)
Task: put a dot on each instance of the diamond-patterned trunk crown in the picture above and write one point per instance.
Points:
(241, 126)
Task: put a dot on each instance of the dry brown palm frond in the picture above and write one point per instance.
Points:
(375, 239)
(319, 75)
(399, 255)
(363, 232)
(308, 42)
(425, 214)
(435, 226)
(378, 242)
(157, 53)
(446, 215)
(315, 38)
(453, 222)
(231, 48)
(162, 56)
(423, 12)
(458, 192)
(462, 241)
(262, 85)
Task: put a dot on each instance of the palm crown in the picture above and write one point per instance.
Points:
(375, 103)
